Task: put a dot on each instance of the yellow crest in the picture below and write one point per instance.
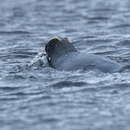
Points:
(56, 38)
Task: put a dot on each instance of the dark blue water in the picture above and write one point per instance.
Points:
(41, 98)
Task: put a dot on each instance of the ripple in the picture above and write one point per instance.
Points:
(104, 10)
(62, 84)
(15, 77)
(120, 26)
(9, 88)
(19, 53)
(98, 18)
(126, 68)
(8, 98)
(14, 32)
(123, 43)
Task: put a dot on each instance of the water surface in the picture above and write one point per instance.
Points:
(40, 98)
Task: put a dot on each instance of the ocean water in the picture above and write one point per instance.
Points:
(42, 98)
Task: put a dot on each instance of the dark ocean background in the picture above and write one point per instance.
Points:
(42, 98)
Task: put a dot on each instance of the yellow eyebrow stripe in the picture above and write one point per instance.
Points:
(56, 38)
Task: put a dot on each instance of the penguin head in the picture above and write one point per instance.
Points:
(52, 46)
(57, 47)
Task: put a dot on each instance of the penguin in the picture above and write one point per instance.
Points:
(61, 54)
